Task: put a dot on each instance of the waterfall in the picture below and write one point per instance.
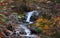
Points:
(29, 14)
(27, 31)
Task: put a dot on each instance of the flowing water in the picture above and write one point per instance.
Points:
(27, 31)
(29, 14)
(24, 25)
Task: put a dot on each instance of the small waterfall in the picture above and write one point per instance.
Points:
(29, 14)
(27, 31)
(23, 25)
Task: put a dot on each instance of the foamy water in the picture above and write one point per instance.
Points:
(29, 14)
(27, 31)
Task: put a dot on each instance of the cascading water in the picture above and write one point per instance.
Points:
(25, 29)
(29, 14)
(23, 25)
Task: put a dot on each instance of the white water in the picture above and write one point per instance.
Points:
(25, 29)
(29, 14)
